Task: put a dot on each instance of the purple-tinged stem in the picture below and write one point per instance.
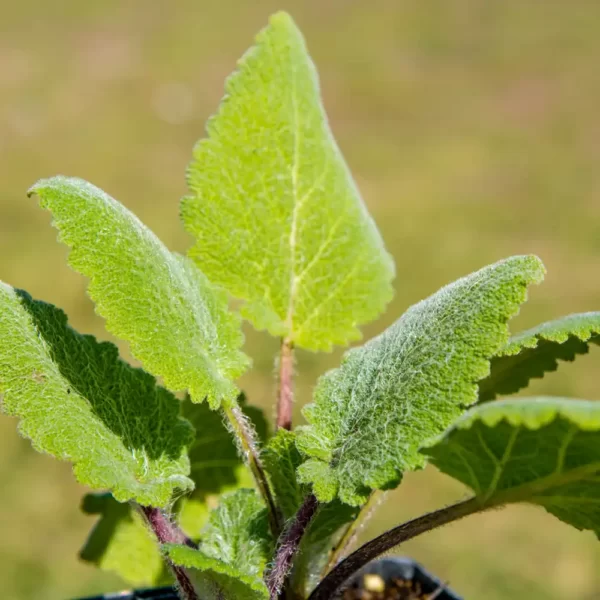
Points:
(285, 399)
(167, 532)
(288, 545)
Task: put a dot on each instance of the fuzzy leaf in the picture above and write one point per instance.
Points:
(323, 533)
(543, 451)
(277, 218)
(215, 579)
(238, 534)
(371, 415)
(281, 459)
(534, 352)
(234, 549)
(78, 401)
(216, 464)
(176, 322)
(121, 543)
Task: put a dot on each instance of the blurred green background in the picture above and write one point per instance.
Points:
(472, 129)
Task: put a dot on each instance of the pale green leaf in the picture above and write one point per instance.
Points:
(120, 542)
(238, 533)
(281, 458)
(277, 218)
(176, 322)
(543, 451)
(534, 352)
(371, 415)
(77, 400)
(215, 579)
(234, 549)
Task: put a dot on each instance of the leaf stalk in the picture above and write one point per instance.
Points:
(288, 545)
(168, 533)
(246, 439)
(328, 587)
(285, 396)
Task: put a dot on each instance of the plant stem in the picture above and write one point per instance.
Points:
(388, 540)
(349, 537)
(246, 439)
(168, 533)
(285, 396)
(288, 545)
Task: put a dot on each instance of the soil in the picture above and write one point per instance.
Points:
(373, 587)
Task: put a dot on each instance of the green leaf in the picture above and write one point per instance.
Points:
(235, 547)
(216, 464)
(277, 218)
(176, 322)
(543, 451)
(281, 459)
(322, 535)
(371, 415)
(534, 352)
(238, 533)
(121, 543)
(215, 579)
(78, 401)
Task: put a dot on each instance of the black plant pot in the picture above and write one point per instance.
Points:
(390, 571)
(405, 575)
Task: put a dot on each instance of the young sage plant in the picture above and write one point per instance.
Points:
(193, 486)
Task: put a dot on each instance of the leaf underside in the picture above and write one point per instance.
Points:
(78, 401)
(120, 542)
(175, 321)
(534, 352)
(371, 415)
(543, 451)
(277, 218)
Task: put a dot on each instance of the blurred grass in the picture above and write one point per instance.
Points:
(472, 131)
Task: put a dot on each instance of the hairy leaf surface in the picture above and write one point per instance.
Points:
(176, 322)
(277, 218)
(234, 549)
(77, 400)
(534, 352)
(281, 459)
(120, 542)
(371, 415)
(216, 579)
(238, 534)
(543, 451)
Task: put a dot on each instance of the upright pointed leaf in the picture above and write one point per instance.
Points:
(176, 322)
(277, 218)
(534, 352)
(120, 542)
(370, 415)
(543, 451)
(78, 401)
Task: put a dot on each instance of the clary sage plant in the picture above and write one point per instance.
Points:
(196, 488)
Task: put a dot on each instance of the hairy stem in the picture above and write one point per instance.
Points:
(388, 540)
(167, 532)
(285, 396)
(245, 437)
(288, 545)
(352, 531)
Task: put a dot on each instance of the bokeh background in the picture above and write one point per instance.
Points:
(472, 129)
